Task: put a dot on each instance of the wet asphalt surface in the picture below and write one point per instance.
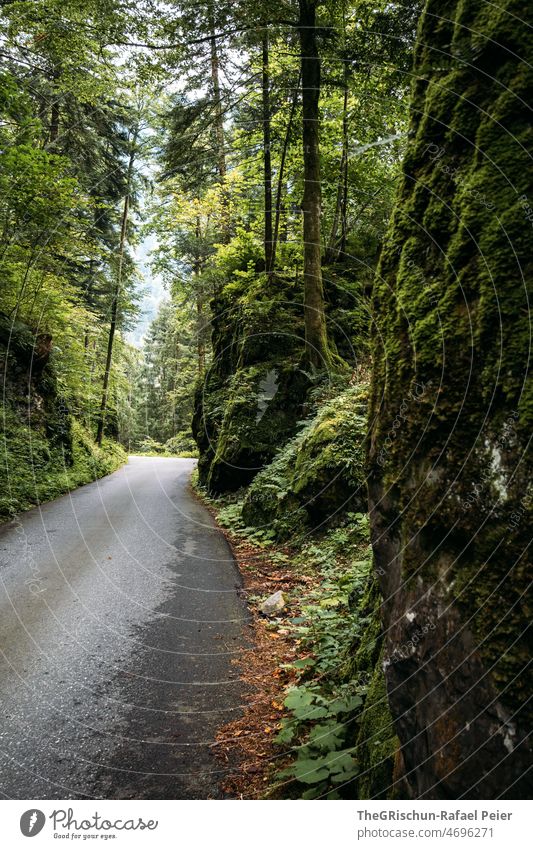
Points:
(120, 616)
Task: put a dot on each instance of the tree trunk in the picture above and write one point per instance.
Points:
(219, 123)
(54, 120)
(451, 415)
(88, 293)
(200, 337)
(215, 82)
(317, 351)
(55, 110)
(344, 205)
(282, 237)
(334, 249)
(116, 293)
(200, 327)
(267, 157)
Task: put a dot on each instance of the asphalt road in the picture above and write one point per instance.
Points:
(119, 619)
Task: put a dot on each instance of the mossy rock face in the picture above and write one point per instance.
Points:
(258, 340)
(329, 471)
(261, 412)
(45, 451)
(318, 474)
(348, 309)
(452, 411)
(377, 743)
(377, 746)
(30, 385)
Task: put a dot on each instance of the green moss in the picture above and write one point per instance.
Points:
(45, 451)
(452, 313)
(258, 328)
(319, 473)
(375, 738)
(252, 428)
(377, 743)
(34, 469)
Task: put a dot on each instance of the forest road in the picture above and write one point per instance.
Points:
(120, 617)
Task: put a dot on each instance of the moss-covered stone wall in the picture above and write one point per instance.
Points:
(452, 409)
(258, 341)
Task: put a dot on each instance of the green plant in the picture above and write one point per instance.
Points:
(318, 475)
(324, 706)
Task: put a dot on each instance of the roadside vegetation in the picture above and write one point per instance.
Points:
(40, 470)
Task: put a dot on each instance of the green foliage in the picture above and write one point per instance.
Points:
(341, 706)
(339, 728)
(317, 475)
(257, 336)
(161, 382)
(181, 445)
(63, 140)
(36, 469)
(325, 706)
(210, 213)
(377, 744)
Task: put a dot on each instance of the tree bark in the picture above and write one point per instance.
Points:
(200, 328)
(267, 157)
(317, 351)
(88, 293)
(215, 82)
(218, 122)
(54, 120)
(336, 247)
(200, 337)
(116, 293)
(281, 175)
(344, 205)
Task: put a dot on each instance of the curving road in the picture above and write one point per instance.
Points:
(120, 615)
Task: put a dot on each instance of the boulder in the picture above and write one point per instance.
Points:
(274, 604)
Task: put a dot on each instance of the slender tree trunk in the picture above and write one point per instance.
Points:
(267, 157)
(54, 120)
(116, 293)
(93, 359)
(88, 293)
(344, 206)
(279, 192)
(54, 109)
(219, 121)
(318, 353)
(200, 329)
(201, 341)
(215, 81)
(334, 249)
(283, 237)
